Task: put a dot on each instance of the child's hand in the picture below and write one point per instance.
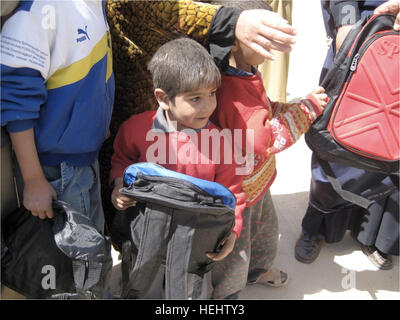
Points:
(227, 247)
(38, 198)
(120, 201)
(320, 95)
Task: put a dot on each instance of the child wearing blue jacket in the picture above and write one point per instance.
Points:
(57, 95)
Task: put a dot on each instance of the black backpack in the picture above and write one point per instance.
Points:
(60, 258)
(177, 220)
(359, 127)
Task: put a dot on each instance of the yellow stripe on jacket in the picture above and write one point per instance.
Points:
(79, 69)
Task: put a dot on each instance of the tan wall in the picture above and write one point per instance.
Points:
(275, 73)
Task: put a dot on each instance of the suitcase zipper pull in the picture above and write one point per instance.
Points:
(354, 62)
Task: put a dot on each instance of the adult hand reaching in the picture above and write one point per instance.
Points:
(263, 30)
(393, 7)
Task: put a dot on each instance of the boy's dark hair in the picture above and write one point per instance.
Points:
(243, 4)
(182, 65)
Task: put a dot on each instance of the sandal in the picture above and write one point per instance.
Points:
(379, 259)
(273, 278)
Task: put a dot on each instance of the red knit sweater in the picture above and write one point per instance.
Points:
(243, 104)
(178, 151)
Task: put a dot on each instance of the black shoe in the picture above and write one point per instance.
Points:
(307, 248)
(378, 258)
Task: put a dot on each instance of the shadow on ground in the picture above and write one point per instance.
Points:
(340, 272)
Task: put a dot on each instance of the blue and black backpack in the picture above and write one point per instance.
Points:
(177, 220)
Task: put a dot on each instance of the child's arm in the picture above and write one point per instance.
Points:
(125, 154)
(227, 175)
(125, 150)
(288, 123)
(23, 92)
(38, 193)
(209, 24)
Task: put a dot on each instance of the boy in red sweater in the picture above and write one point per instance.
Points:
(179, 135)
(243, 104)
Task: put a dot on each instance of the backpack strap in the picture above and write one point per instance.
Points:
(86, 274)
(348, 195)
(164, 229)
(151, 242)
(178, 255)
(195, 286)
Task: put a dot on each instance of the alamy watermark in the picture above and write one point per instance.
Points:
(349, 15)
(203, 148)
(349, 280)
(49, 280)
(49, 17)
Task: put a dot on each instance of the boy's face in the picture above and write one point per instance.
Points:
(191, 109)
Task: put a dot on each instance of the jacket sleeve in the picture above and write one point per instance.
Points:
(221, 36)
(23, 91)
(25, 63)
(125, 151)
(228, 176)
(288, 123)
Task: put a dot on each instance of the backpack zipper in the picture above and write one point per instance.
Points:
(365, 46)
(354, 63)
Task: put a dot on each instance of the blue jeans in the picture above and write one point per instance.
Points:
(78, 186)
